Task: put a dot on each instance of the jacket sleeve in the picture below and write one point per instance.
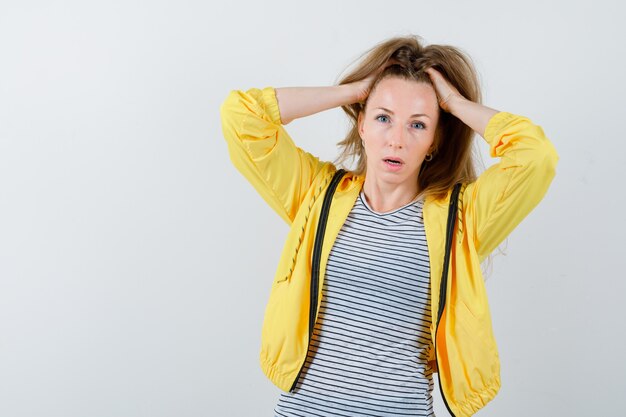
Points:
(506, 192)
(264, 153)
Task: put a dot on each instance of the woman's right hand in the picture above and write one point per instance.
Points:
(363, 87)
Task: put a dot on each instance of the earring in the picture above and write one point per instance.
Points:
(428, 157)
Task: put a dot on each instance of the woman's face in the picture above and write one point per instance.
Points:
(398, 123)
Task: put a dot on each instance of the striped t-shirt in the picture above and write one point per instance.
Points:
(369, 351)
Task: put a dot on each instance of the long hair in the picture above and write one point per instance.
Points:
(407, 58)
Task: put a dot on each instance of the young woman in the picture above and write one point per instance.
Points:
(367, 302)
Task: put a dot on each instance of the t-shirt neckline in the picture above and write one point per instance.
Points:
(386, 213)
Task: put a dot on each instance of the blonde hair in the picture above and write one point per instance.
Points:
(406, 57)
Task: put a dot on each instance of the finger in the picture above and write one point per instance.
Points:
(438, 81)
(433, 73)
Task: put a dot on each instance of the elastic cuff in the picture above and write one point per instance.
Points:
(269, 98)
(496, 123)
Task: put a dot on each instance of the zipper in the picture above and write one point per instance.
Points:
(317, 255)
(444, 277)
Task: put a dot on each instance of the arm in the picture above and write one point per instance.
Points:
(472, 114)
(505, 193)
(508, 191)
(296, 102)
(263, 152)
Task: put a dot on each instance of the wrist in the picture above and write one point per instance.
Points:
(357, 91)
(453, 103)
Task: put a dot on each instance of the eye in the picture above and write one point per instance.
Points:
(382, 118)
(418, 125)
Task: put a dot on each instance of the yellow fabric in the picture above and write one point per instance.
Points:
(293, 183)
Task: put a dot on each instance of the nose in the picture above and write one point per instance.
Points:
(397, 137)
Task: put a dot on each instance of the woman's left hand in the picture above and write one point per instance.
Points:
(446, 92)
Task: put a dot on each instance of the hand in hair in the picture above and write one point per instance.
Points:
(446, 92)
(364, 86)
(473, 114)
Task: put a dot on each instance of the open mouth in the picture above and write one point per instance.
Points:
(393, 162)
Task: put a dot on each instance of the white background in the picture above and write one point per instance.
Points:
(135, 261)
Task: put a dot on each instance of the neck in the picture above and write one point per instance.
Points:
(384, 197)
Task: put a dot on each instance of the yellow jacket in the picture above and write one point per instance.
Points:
(293, 183)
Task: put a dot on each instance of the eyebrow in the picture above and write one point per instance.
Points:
(413, 115)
